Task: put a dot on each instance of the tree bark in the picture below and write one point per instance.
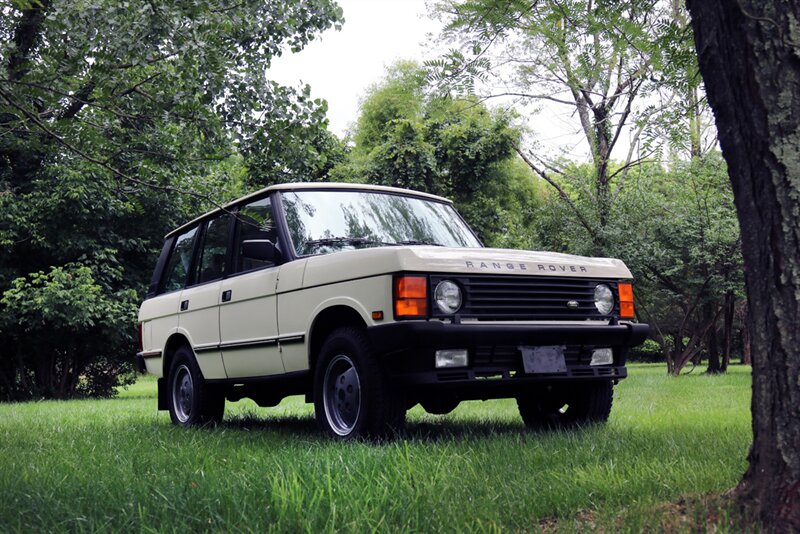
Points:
(712, 347)
(748, 54)
(747, 347)
(730, 308)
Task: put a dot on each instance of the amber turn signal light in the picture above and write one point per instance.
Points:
(410, 297)
(626, 310)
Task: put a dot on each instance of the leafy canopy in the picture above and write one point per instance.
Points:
(118, 120)
(406, 136)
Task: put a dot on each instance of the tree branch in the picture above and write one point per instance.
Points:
(563, 194)
(73, 96)
(79, 99)
(528, 95)
(625, 113)
(104, 164)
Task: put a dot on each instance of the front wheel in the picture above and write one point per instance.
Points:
(352, 398)
(190, 400)
(577, 405)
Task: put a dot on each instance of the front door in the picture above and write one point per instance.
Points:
(248, 303)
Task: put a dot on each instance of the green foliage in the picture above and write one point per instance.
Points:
(293, 145)
(67, 297)
(688, 258)
(624, 72)
(404, 158)
(649, 351)
(67, 325)
(119, 466)
(406, 137)
(677, 231)
(117, 121)
(594, 57)
(401, 96)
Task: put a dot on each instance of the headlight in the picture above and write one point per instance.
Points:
(447, 296)
(603, 299)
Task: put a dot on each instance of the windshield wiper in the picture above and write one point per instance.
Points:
(344, 241)
(419, 242)
(329, 241)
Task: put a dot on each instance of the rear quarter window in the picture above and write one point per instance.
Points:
(179, 262)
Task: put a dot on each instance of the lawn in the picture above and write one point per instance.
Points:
(118, 465)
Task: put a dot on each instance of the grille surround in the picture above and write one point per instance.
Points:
(520, 298)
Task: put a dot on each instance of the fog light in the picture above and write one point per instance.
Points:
(451, 358)
(602, 357)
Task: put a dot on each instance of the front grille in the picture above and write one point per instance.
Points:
(498, 298)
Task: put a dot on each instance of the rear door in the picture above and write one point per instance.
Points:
(199, 306)
(163, 307)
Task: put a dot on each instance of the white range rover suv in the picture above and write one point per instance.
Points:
(369, 300)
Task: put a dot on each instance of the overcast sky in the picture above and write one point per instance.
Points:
(340, 66)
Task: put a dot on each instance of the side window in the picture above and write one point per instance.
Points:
(179, 262)
(211, 261)
(254, 221)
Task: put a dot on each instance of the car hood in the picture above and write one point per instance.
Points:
(350, 264)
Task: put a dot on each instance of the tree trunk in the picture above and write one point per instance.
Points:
(601, 163)
(748, 57)
(747, 347)
(714, 366)
(727, 335)
(695, 125)
(674, 364)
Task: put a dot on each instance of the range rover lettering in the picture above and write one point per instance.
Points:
(369, 300)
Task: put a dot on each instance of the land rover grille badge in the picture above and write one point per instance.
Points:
(572, 304)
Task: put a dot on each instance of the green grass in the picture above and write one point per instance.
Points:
(118, 465)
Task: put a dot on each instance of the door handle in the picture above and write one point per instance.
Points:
(226, 295)
(184, 305)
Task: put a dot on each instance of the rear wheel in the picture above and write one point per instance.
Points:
(352, 398)
(581, 404)
(190, 400)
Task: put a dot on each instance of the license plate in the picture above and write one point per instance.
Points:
(539, 360)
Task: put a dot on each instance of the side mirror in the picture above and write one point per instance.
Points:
(261, 249)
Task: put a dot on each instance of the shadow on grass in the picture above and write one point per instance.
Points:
(297, 425)
(428, 431)
(305, 427)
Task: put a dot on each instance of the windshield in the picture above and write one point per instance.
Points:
(326, 221)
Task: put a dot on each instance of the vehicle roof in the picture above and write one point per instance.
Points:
(298, 186)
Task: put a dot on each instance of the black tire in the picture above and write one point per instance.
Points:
(352, 398)
(578, 405)
(190, 401)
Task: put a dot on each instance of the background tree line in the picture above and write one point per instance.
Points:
(109, 138)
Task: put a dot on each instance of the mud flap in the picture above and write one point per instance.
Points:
(162, 394)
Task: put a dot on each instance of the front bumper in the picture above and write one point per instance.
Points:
(495, 359)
